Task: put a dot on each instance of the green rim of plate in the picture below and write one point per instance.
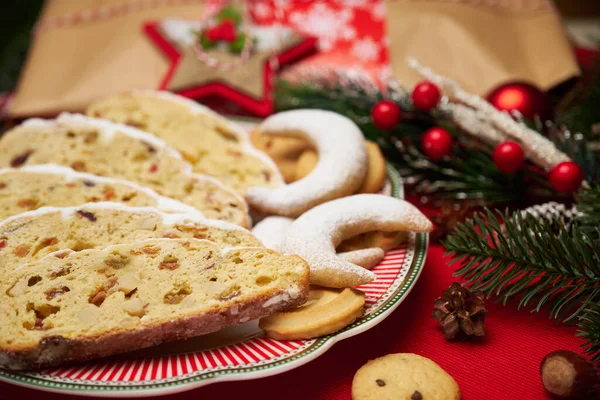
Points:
(414, 271)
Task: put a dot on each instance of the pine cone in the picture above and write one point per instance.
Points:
(460, 310)
(553, 212)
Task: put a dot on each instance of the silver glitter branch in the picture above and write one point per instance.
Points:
(484, 116)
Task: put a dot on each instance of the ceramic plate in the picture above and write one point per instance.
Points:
(235, 353)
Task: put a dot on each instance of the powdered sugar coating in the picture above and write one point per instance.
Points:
(366, 258)
(339, 172)
(315, 235)
(167, 219)
(163, 203)
(271, 231)
(237, 130)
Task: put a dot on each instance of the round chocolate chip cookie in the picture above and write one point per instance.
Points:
(403, 376)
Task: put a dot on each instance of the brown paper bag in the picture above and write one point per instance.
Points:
(107, 52)
(480, 43)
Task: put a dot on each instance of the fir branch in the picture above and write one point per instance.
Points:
(469, 174)
(588, 205)
(524, 259)
(589, 330)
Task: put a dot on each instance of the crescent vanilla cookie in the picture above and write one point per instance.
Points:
(316, 234)
(212, 144)
(118, 151)
(340, 171)
(271, 231)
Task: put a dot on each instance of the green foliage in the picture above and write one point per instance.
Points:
(580, 109)
(528, 259)
(205, 42)
(588, 204)
(238, 44)
(589, 329)
(17, 18)
(229, 13)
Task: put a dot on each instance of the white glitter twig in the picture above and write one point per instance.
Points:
(537, 148)
(472, 123)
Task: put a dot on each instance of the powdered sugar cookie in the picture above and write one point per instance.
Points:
(271, 231)
(376, 171)
(315, 235)
(366, 258)
(384, 240)
(340, 171)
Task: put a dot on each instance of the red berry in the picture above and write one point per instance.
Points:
(228, 31)
(508, 157)
(225, 31)
(566, 177)
(426, 96)
(436, 143)
(213, 34)
(386, 115)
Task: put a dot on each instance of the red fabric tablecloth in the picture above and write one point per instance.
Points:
(504, 365)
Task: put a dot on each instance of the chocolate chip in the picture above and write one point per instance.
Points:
(21, 159)
(416, 396)
(380, 382)
(89, 183)
(87, 215)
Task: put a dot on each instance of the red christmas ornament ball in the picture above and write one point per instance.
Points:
(508, 157)
(566, 177)
(426, 96)
(386, 115)
(522, 97)
(436, 143)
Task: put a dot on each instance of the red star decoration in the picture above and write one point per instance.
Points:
(220, 89)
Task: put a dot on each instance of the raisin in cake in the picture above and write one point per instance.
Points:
(107, 149)
(29, 188)
(31, 235)
(213, 145)
(75, 306)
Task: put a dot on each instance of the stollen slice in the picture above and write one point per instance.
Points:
(31, 235)
(31, 187)
(212, 144)
(76, 306)
(103, 148)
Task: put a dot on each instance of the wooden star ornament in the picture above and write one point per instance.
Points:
(220, 77)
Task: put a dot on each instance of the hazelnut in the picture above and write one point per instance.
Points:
(567, 375)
